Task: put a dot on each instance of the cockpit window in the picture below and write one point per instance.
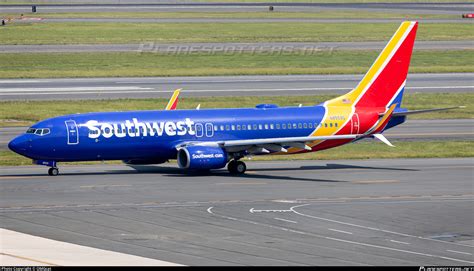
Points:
(38, 131)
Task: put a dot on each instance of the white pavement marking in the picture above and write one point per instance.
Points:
(70, 89)
(346, 232)
(14, 81)
(371, 228)
(24, 249)
(460, 252)
(399, 242)
(285, 220)
(242, 80)
(339, 240)
(252, 210)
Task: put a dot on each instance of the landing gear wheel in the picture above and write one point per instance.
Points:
(236, 167)
(231, 167)
(53, 171)
(240, 167)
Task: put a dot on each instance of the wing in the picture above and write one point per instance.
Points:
(266, 145)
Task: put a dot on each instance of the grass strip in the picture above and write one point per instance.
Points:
(121, 33)
(39, 2)
(100, 64)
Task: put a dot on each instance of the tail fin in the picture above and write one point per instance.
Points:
(384, 83)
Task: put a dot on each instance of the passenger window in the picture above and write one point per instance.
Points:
(278, 126)
(294, 125)
(260, 127)
(238, 127)
(325, 125)
(289, 125)
(233, 127)
(266, 126)
(335, 124)
(305, 125)
(254, 126)
(222, 127)
(283, 126)
(300, 126)
(249, 127)
(330, 124)
(271, 126)
(310, 125)
(244, 127)
(227, 127)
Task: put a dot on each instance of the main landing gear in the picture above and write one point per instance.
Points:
(54, 171)
(236, 167)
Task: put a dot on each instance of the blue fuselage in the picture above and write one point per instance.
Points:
(155, 134)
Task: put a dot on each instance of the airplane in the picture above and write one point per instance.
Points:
(206, 139)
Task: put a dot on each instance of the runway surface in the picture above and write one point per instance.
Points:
(413, 8)
(206, 86)
(370, 212)
(412, 130)
(228, 48)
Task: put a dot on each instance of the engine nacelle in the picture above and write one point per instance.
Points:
(202, 157)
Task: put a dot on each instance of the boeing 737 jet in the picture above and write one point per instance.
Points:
(207, 139)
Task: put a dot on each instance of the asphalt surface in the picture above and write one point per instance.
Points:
(413, 8)
(206, 86)
(412, 130)
(370, 212)
(219, 47)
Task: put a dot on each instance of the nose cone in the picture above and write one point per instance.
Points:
(18, 145)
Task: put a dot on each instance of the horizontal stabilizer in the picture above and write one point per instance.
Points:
(383, 139)
(424, 111)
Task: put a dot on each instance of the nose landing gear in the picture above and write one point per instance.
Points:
(236, 167)
(54, 171)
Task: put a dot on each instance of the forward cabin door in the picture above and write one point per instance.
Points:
(72, 132)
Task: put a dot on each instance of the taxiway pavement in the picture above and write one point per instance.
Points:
(353, 212)
(408, 8)
(206, 86)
